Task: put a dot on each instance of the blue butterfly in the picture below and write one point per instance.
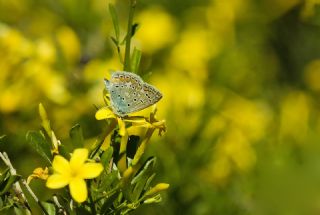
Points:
(129, 93)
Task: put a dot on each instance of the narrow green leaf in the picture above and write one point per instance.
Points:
(142, 180)
(4, 179)
(77, 136)
(155, 199)
(2, 138)
(50, 208)
(20, 211)
(6, 206)
(108, 180)
(134, 28)
(9, 182)
(115, 41)
(147, 166)
(83, 210)
(115, 20)
(4, 175)
(39, 143)
(45, 121)
(64, 151)
(135, 60)
(106, 157)
(105, 209)
(148, 182)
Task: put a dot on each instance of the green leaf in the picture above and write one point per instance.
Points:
(108, 203)
(77, 136)
(147, 167)
(9, 182)
(4, 175)
(108, 180)
(39, 143)
(45, 121)
(20, 211)
(6, 205)
(83, 210)
(134, 29)
(115, 41)
(64, 152)
(50, 208)
(154, 199)
(141, 182)
(148, 182)
(2, 137)
(106, 157)
(115, 20)
(135, 60)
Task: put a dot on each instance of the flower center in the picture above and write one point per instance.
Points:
(74, 173)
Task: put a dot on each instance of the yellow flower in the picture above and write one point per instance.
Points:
(136, 121)
(106, 113)
(73, 173)
(38, 173)
(148, 122)
(156, 22)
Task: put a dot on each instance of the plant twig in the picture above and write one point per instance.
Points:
(57, 203)
(16, 186)
(129, 35)
(34, 196)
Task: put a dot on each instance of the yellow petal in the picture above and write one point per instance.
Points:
(136, 131)
(91, 170)
(138, 120)
(57, 181)
(107, 141)
(79, 156)
(61, 165)
(159, 187)
(122, 127)
(104, 113)
(78, 190)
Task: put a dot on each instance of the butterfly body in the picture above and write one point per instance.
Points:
(129, 93)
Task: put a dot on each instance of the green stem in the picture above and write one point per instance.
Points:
(129, 35)
(92, 205)
(142, 147)
(97, 146)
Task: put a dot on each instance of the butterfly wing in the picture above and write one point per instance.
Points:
(146, 96)
(129, 93)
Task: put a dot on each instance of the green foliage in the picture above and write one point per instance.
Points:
(120, 188)
(40, 144)
(77, 136)
(240, 81)
(6, 181)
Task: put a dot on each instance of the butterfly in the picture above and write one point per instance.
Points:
(129, 93)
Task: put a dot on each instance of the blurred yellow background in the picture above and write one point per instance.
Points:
(241, 86)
